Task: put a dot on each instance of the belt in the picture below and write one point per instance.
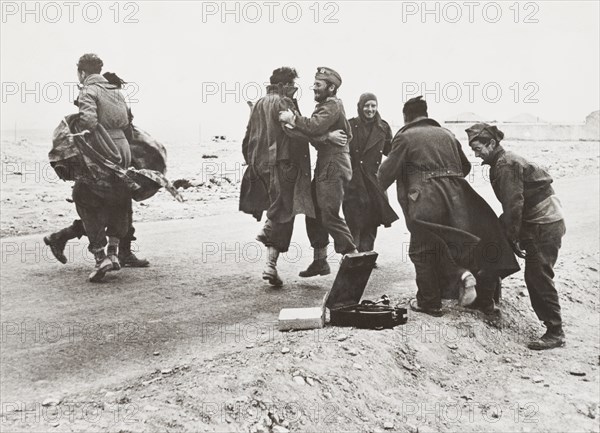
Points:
(441, 173)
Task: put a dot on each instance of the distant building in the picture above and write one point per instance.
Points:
(593, 119)
(525, 118)
(592, 126)
(468, 117)
(527, 126)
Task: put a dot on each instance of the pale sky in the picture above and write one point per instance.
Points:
(184, 57)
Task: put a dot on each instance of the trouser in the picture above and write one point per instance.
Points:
(278, 235)
(430, 274)
(363, 234)
(79, 229)
(332, 175)
(274, 233)
(435, 268)
(101, 217)
(542, 243)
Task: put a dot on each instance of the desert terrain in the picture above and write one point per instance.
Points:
(191, 343)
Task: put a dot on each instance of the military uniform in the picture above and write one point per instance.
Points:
(531, 215)
(452, 228)
(277, 179)
(333, 172)
(104, 209)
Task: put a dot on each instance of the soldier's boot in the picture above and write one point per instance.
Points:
(554, 337)
(111, 251)
(57, 241)
(435, 312)
(466, 289)
(354, 251)
(103, 265)
(270, 273)
(319, 265)
(126, 256)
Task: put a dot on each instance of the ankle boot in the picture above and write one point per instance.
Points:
(126, 256)
(270, 272)
(354, 251)
(466, 290)
(103, 265)
(554, 337)
(111, 252)
(319, 266)
(57, 241)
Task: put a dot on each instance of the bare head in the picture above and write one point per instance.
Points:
(88, 64)
(284, 75)
(414, 108)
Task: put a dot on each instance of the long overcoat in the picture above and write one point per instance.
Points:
(440, 207)
(364, 199)
(278, 168)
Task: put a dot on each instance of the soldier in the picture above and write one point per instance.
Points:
(277, 179)
(533, 221)
(443, 211)
(58, 240)
(333, 170)
(103, 206)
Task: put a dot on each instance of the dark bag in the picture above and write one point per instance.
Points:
(343, 301)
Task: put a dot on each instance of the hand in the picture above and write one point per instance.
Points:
(78, 134)
(338, 137)
(516, 247)
(287, 117)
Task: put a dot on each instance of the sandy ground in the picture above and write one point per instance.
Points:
(34, 200)
(190, 344)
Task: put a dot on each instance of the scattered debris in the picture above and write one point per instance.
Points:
(407, 366)
(148, 382)
(50, 402)
(299, 380)
(352, 351)
(182, 183)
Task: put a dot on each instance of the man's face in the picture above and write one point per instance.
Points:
(481, 150)
(370, 109)
(321, 89)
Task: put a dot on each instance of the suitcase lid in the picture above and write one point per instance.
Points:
(351, 280)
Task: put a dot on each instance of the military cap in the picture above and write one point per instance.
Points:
(329, 75)
(483, 130)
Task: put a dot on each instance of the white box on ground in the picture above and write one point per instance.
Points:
(301, 318)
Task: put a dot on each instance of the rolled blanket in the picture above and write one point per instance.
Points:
(77, 157)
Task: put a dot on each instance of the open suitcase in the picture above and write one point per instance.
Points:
(344, 299)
